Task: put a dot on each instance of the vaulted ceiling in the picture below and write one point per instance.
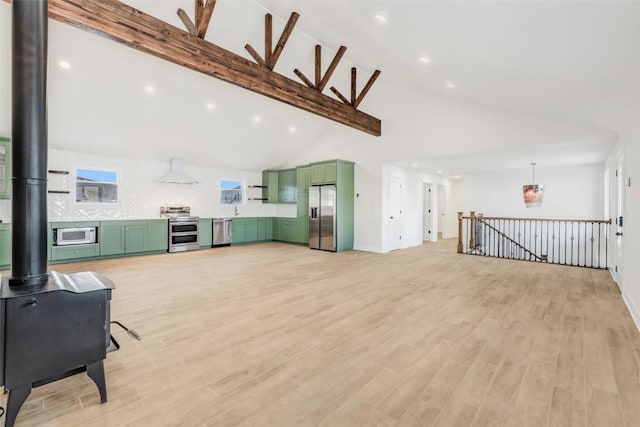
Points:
(572, 65)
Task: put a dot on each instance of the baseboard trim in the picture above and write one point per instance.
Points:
(633, 310)
(367, 249)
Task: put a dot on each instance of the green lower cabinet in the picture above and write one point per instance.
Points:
(205, 232)
(245, 230)
(251, 230)
(158, 235)
(238, 231)
(122, 237)
(59, 253)
(111, 238)
(135, 238)
(265, 229)
(5, 246)
(302, 232)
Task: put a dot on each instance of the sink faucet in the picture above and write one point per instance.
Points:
(235, 210)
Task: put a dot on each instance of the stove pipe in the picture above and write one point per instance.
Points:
(29, 136)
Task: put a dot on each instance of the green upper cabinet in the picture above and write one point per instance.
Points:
(303, 178)
(270, 186)
(205, 232)
(287, 190)
(158, 235)
(5, 168)
(324, 173)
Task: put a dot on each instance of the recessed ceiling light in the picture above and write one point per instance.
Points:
(149, 89)
(257, 119)
(440, 172)
(414, 165)
(64, 64)
(292, 129)
(425, 60)
(381, 18)
(211, 106)
(451, 85)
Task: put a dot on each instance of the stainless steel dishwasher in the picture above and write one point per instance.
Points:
(222, 231)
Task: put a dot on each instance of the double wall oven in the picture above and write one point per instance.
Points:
(183, 228)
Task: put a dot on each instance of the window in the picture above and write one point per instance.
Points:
(96, 186)
(231, 192)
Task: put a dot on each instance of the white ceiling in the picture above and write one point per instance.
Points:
(573, 63)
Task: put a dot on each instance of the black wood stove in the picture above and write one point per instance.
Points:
(52, 325)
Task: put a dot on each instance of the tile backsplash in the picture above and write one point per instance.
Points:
(140, 195)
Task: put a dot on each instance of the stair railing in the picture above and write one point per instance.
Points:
(576, 242)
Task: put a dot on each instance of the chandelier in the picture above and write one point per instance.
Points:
(533, 193)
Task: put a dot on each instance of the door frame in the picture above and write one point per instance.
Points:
(394, 218)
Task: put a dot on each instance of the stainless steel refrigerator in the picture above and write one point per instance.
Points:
(322, 217)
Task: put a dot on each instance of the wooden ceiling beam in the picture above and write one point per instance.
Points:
(271, 56)
(366, 88)
(321, 81)
(284, 37)
(205, 11)
(134, 28)
(191, 27)
(356, 100)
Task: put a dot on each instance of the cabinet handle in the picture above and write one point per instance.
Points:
(75, 252)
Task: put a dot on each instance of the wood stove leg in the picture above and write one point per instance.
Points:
(95, 371)
(17, 396)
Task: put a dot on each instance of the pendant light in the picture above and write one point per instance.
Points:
(533, 193)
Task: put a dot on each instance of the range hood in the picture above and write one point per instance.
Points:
(176, 174)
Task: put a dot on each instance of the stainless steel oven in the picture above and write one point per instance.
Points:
(183, 228)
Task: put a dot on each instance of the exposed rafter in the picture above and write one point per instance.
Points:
(356, 99)
(203, 13)
(320, 80)
(271, 56)
(134, 28)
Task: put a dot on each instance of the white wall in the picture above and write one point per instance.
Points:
(412, 203)
(140, 195)
(571, 192)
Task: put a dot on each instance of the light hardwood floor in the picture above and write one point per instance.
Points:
(279, 335)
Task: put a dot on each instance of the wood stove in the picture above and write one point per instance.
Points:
(51, 325)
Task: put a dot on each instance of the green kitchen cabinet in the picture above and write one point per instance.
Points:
(158, 235)
(135, 237)
(5, 168)
(122, 237)
(303, 205)
(265, 229)
(111, 238)
(5, 246)
(251, 229)
(303, 179)
(59, 253)
(205, 232)
(285, 229)
(324, 172)
(245, 230)
(270, 186)
(287, 190)
(238, 230)
(302, 230)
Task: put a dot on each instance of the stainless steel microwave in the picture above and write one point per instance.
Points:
(74, 236)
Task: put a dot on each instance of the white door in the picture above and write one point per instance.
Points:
(618, 224)
(395, 212)
(427, 216)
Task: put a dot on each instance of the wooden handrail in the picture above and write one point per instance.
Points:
(595, 221)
